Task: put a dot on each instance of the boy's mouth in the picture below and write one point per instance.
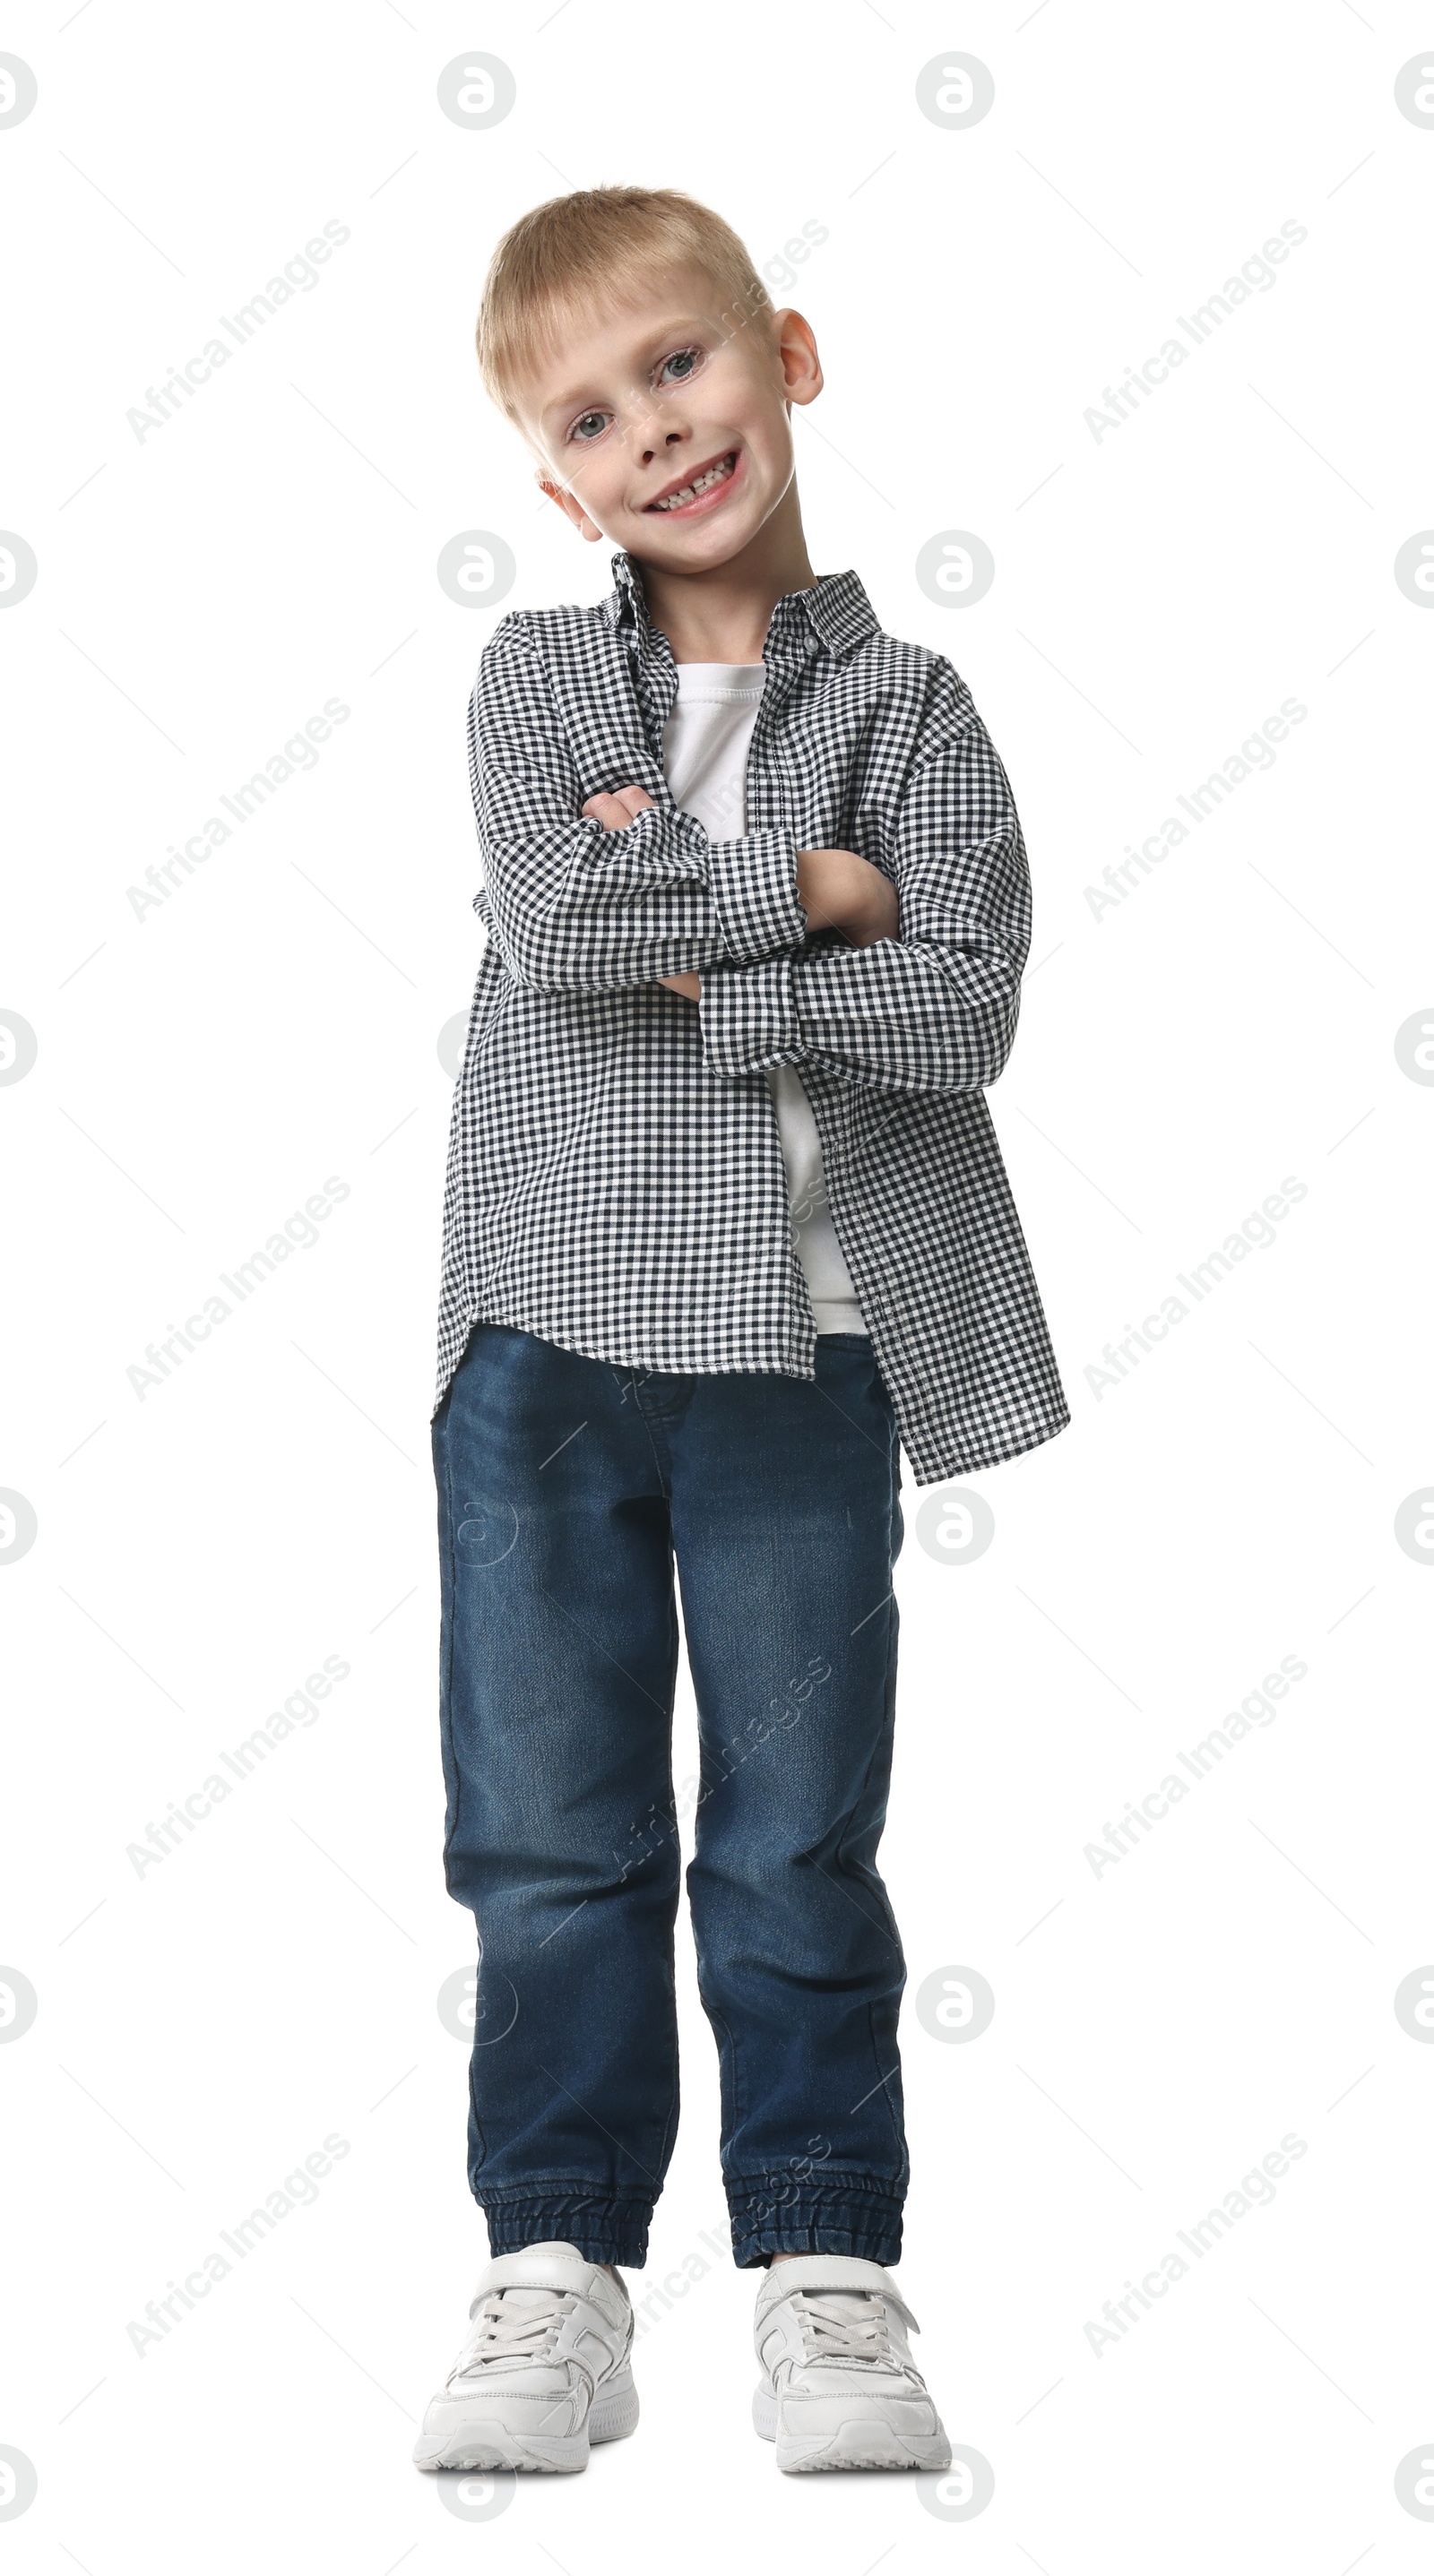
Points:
(682, 500)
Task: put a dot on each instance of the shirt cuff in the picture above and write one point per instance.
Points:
(754, 890)
(748, 1017)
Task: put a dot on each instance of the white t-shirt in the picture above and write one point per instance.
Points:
(705, 757)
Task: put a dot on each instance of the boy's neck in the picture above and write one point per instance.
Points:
(722, 614)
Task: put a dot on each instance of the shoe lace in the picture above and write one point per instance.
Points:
(850, 2326)
(516, 2325)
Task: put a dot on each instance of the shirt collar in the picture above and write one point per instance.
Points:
(836, 609)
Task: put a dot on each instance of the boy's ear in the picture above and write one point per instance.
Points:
(796, 347)
(568, 502)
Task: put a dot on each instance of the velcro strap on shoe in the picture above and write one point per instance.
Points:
(539, 2267)
(819, 2272)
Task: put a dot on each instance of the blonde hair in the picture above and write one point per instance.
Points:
(591, 250)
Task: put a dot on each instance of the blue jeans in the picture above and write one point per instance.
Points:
(566, 1487)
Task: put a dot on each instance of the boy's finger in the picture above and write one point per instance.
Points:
(616, 812)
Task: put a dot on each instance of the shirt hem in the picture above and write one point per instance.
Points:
(930, 1464)
(839, 1315)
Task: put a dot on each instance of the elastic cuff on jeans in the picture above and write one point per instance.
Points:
(603, 2230)
(861, 2218)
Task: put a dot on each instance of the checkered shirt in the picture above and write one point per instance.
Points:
(615, 1178)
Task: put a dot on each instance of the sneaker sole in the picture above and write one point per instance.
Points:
(478, 2441)
(863, 2442)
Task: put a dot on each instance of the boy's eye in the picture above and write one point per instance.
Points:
(590, 426)
(684, 360)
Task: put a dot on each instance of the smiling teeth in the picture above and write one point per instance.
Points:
(704, 482)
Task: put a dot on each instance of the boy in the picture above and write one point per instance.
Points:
(725, 1222)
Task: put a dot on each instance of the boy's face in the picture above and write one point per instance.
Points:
(643, 399)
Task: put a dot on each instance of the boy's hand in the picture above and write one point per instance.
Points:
(615, 812)
(839, 891)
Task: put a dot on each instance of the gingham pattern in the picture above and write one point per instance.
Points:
(615, 1180)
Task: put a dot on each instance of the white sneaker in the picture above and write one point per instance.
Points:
(839, 2389)
(545, 2371)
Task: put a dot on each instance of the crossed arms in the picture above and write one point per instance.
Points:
(599, 893)
(836, 889)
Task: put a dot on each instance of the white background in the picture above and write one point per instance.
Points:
(204, 1068)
